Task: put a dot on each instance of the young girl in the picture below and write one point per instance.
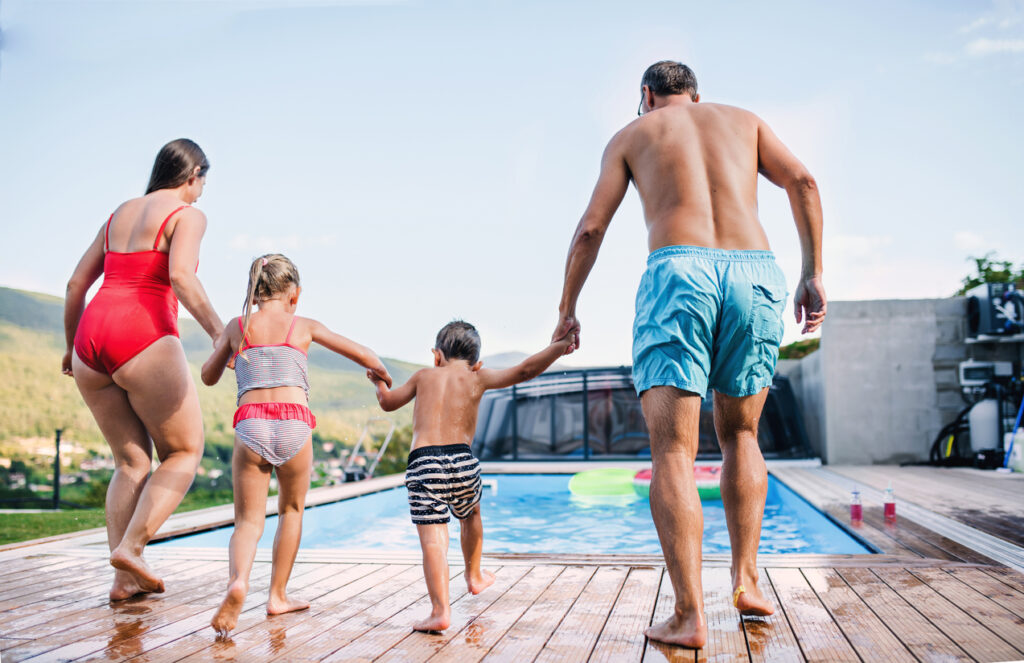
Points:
(273, 424)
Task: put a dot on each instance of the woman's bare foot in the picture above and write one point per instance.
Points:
(124, 586)
(434, 622)
(685, 631)
(480, 583)
(146, 580)
(227, 615)
(283, 604)
(751, 602)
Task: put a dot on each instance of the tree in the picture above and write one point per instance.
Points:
(991, 270)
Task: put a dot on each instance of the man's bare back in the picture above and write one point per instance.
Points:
(695, 168)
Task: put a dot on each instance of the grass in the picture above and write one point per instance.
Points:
(15, 527)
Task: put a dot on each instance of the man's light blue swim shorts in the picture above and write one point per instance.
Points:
(708, 317)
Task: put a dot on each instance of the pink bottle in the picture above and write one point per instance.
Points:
(856, 509)
(889, 504)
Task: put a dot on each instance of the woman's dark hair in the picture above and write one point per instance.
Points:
(669, 77)
(175, 164)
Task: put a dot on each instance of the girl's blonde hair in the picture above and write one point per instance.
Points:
(269, 276)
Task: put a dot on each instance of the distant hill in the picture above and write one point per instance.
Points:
(35, 398)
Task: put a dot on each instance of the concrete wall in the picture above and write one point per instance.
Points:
(885, 379)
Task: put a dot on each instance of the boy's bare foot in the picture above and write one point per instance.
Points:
(750, 602)
(124, 586)
(227, 615)
(146, 580)
(480, 583)
(433, 623)
(279, 606)
(689, 631)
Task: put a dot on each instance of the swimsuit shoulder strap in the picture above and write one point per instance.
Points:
(160, 232)
(106, 234)
(244, 342)
(290, 328)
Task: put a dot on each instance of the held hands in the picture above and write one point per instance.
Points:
(809, 303)
(379, 374)
(568, 330)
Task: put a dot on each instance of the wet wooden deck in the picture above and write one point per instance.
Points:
(541, 608)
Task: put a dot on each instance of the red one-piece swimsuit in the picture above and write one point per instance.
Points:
(134, 307)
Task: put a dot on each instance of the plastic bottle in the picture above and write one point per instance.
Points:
(889, 504)
(856, 509)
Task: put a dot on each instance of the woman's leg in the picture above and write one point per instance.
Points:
(250, 478)
(293, 482)
(162, 393)
(133, 455)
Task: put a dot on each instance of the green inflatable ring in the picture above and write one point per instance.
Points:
(603, 481)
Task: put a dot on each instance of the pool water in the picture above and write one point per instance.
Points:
(536, 513)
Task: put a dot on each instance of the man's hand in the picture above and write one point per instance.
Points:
(809, 303)
(569, 326)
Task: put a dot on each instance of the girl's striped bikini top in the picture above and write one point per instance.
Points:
(265, 366)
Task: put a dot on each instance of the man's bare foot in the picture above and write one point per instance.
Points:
(279, 606)
(433, 623)
(146, 580)
(751, 602)
(685, 631)
(479, 584)
(227, 615)
(124, 586)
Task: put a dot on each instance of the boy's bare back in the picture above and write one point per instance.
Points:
(447, 401)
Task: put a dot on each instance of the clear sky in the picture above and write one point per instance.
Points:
(425, 160)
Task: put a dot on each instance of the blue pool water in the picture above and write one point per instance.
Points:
(536, 513)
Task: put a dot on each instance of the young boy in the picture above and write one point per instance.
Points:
(443, 476)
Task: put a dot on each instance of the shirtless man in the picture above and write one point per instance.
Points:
(708, 312)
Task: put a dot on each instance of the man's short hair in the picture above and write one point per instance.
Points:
(459, 340)
(669, 77)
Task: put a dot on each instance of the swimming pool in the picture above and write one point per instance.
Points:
(536, 513)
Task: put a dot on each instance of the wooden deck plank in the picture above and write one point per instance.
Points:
(382, 637)
(575, 637)
(310, 637)
(416, 647)
(527, 636)
(996, 618)
(1006, 576)
(19, 565)
(868, 635)
(727, 642)
(477, 638)
(900, 532)
(876, 537)
(97, 628)
(819, 636)
(979, 642)
(195, 635)
(1001, 593)
(954, 549)
(31, 581)
(771, 639)
(622, 638)
(659, 652)
(32, 576)
(82, 601)
(920, 636)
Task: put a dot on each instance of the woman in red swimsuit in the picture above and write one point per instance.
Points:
(127, 360)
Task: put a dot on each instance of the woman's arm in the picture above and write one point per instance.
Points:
(392, 400)
(183, 258)
(89, 268)
(360, 354)
(223, 350)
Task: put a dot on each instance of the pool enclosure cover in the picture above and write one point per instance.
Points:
(595, 413)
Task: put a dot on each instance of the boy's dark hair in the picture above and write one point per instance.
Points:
(669, 77)
(459, 340)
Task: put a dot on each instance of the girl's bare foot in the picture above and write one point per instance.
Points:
(281, 605)
(227, 615)
(478, 584)
(750, 602)
(124, 586)
(689, 631)
(146, 580)
(434, 623)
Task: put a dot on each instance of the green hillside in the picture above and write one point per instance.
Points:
(35, 398)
